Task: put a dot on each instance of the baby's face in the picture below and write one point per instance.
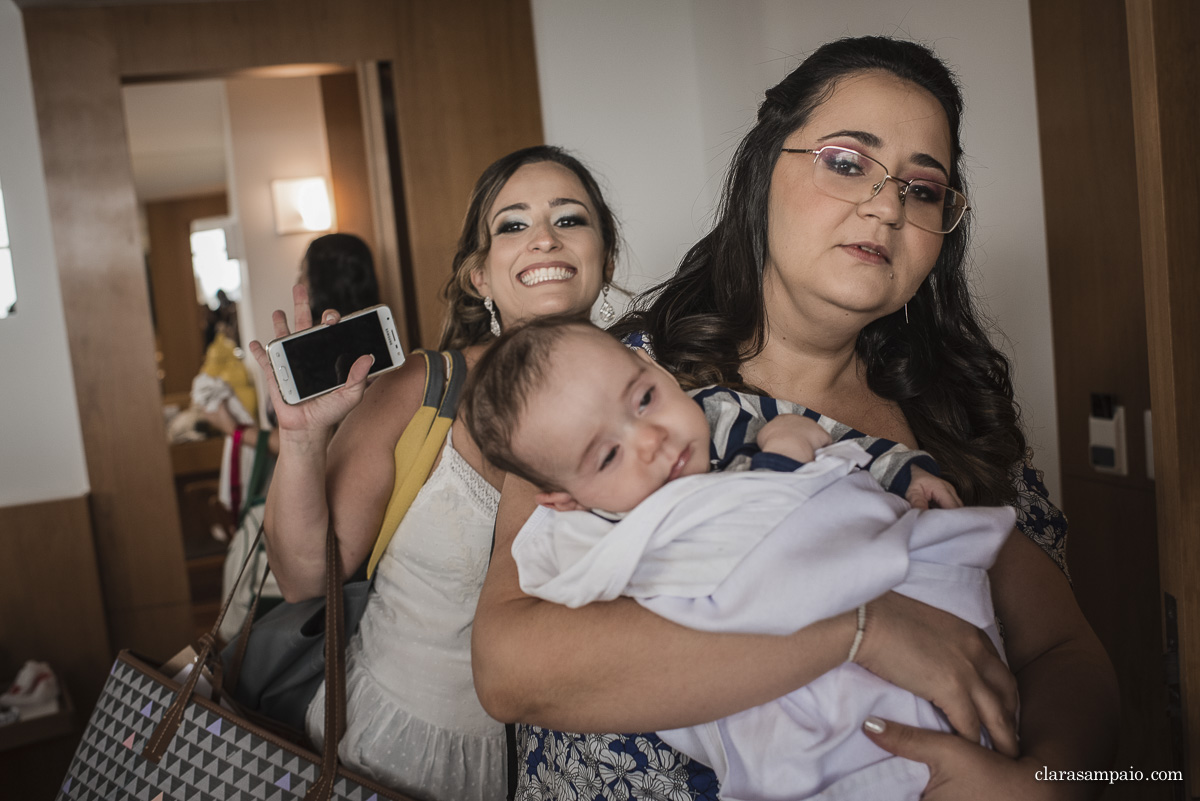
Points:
(609, 426)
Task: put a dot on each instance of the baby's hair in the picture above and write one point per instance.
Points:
(501, 382)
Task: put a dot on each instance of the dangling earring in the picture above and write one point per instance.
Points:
(607, 312)
(491, 307)
(906, 314)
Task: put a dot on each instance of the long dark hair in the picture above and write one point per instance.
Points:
(466, 318)
(953, 386)
(341, 274)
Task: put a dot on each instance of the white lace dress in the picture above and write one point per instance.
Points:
(415, 722)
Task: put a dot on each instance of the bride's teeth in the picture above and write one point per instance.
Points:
(532, 277)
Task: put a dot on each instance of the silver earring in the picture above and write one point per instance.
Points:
(906, 314)
(607, 312)
(491, 307)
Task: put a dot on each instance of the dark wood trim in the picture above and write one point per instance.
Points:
(410, 314)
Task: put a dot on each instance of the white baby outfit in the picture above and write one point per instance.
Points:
(414, 721)
(772, 552)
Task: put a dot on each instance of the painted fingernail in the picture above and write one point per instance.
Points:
(873, 725)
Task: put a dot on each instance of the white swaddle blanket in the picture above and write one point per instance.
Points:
(771, 553)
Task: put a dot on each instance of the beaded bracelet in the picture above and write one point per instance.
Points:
(858, 634)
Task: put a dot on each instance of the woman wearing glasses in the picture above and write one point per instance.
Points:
(833, 278)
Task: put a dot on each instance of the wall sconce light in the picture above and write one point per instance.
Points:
(301, 206)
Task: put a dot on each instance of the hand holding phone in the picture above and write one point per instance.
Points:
(317, 360)
(318, 417)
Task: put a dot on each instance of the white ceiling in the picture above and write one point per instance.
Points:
(176, 138)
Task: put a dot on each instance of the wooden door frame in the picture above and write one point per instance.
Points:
(457, 111)
(1164, 36)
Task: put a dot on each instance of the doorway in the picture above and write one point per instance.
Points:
(204, 156)
(455, 113)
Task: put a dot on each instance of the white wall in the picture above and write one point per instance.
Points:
(41, 445)
(655, 96)
(618, 87)
(277, 131)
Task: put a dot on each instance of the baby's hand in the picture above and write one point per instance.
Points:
(794, 436)
(926, 490)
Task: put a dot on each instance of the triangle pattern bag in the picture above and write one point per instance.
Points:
(152, 737)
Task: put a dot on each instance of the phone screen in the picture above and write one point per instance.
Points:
(321, 360)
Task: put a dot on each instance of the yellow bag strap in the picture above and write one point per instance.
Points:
(421, 441)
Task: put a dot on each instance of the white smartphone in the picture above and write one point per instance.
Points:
(315, 361)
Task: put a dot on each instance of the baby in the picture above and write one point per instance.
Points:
(629, 506)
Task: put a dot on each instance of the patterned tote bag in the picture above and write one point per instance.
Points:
(152, 738)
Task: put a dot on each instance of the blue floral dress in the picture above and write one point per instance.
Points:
(564, 766)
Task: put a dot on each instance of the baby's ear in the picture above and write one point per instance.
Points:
(646, 357)
(559, 501)
(642, 354)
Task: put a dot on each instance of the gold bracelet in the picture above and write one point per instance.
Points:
(858, 635)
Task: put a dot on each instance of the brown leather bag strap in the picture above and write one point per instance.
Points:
(206, 655)
(156, 746)
(335, 678)
(335, 672)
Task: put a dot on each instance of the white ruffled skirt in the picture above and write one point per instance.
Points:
(386, 743)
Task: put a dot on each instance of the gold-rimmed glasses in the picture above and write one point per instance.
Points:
(848, 175)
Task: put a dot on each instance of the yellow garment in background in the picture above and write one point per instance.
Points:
(221, 361)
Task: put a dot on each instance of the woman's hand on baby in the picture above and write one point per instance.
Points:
(958, 769)
(946, 661)
(318, 415)
(926, 491)
(794, 436)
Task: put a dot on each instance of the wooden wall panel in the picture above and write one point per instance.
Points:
(466, 92)
(217, 37)
(1164, 46)
(51, 608)
(447, 136)
(1092, 227)
(94, 218)
(1116, 584)
(1099, 324)
(173, 286)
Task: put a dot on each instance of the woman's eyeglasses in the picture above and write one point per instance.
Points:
(848, 175)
